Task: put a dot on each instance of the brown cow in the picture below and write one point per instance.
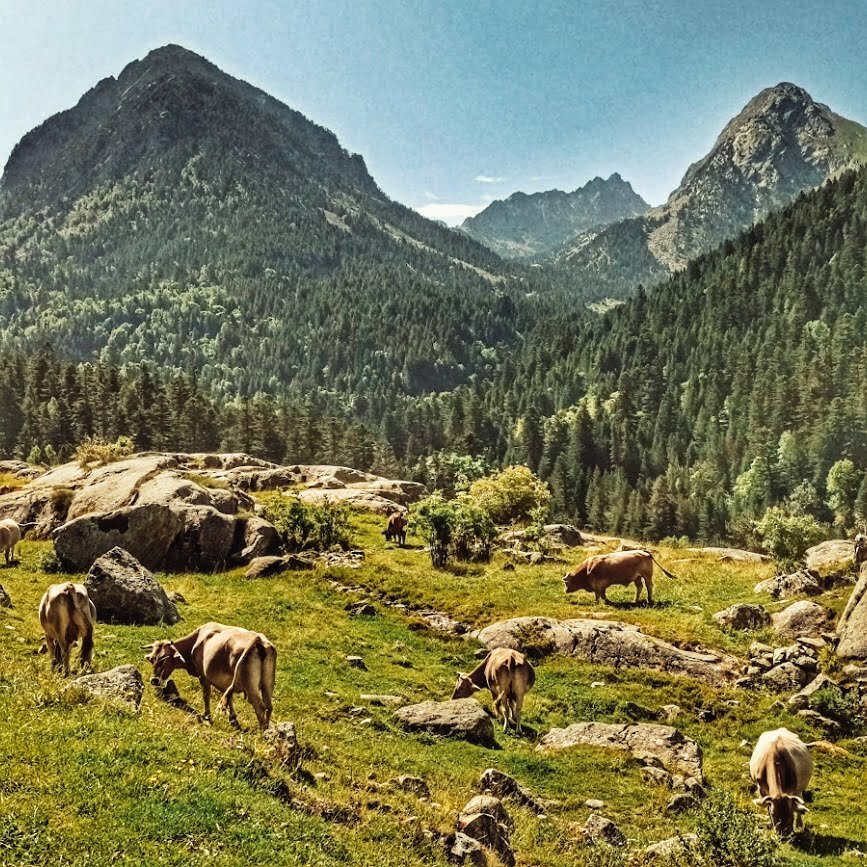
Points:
(396, 528)
(67, 615)
(228, 658)
(781, 766)
(597, 573)
(508, 675)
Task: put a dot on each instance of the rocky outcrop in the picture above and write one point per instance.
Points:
(122, 684)
(602, 642)
(123, 591)
(804, 582)
(463, 718)
(743, 616)
(643, 740)
(852, 626)
(832, 556)
(802, 618)
(783, 669)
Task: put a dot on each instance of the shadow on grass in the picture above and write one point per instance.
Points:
(816, 843)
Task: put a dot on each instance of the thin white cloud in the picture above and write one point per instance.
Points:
(488, 179)
(451, 214)
(432, 196)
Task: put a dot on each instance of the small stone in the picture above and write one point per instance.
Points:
(657, 776)
(595, 804)
(177, 598)
(356, 662)
(598, 828)
(681, 802)
(414, 785)
(670, 712)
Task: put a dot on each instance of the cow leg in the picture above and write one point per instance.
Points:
(66, 652)
(206, 699)
(230, 707)
(53, 652)
(638, 590)
(519, 707)
(648, 583)
(86, 659)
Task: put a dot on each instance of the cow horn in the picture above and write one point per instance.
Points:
(147, 646)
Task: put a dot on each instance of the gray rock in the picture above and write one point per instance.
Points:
(831, 556)
(681, 802)
(802, 699)
(283, 740)
(356, 662)
(667, 745)
(123, 591)
(122, 684)
(732, 555)
(504, 786)
(802, 618)
(801, 583)
(743, 616)
(657, 776)
(600, 829)
(462, 718)
(5, 598)
(852, 627)
(414, 785)
(265, 567)
(601, 642)
(260, 539)
(381, 700)
(815, 718)
(177, 598)
(673, 847)
(461, 849)
(563, 534)
(670, 712)
(485, 819)
(785, 677)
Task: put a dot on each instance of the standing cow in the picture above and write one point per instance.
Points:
(395, 529)
(228, 658)
(597, 573)
(67, 615)
(781, 767)
(10, 536)
(508, 675)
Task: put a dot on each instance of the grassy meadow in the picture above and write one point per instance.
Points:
(94, 784)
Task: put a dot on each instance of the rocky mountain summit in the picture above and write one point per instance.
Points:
(525, 226)
(781, 143)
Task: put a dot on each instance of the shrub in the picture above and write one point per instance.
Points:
(510, 495)
(61, 498)
(99, 452)
(831, 701)
(35, 457)
(300, 525)
(49, 563)
(474, 531)
(787, 537)
(436, 520)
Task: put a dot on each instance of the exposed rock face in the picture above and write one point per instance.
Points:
(830, 556)
(123, 591)
(743, 616)
(781, 143)
(620, 645)
(264, 567)
(852, 627)
(462, 718)
(123, 684)
(260, 539)
(524, 226)
(800, 583)
(802, 618)
(667, 744)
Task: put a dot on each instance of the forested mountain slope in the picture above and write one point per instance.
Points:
(181, 217)
(781, 143)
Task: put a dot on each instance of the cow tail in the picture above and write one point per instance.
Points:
(664, 570)
(256, 645)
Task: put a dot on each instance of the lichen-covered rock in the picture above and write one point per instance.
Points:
(669, 746)
(123, 591)
(123, 684)
(743, 616)
(673, 847)
(462, 718)
(831, 556)
(802, 618)
(603, 642)
(800, 583)
(260, 539)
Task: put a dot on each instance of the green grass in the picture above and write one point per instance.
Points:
(101, 786)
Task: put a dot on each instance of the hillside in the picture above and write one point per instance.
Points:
(537, 225)
(781, 143)
(181, 217)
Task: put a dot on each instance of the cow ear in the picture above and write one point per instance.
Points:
(763, 802)
(177, 655)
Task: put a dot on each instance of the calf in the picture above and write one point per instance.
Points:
(227, 658)
(395, 529)
(67, 615)
(597, 573)
(508, 675)
(781, 767)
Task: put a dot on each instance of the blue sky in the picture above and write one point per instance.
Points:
(455, 103)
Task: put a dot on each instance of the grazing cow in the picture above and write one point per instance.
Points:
(508, 675)
(781, 767)
(10, 536)
(67, 615)
(860, 549)
(395, 529)
(597, 573)
(228, 658)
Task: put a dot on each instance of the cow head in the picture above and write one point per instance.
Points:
(576, 579)
(786, 812)
(165, 658)
(464, 688)
(861, 548)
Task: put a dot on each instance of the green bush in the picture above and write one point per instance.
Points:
(473, 532)
(832, 702)
(96, 451)
(306, 526)
(510, 495)
(435, 518)
(787, 537)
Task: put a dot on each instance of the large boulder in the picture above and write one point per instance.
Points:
(603, 642)
(123, 591)
(462, 718)
(122, 684)
(260, 539)
(732, 555)
(852, 627)
(743, 616)
(832, 556)
(804, 618)
(804, 582)
(643, 740)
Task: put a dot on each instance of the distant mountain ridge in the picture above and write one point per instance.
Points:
(524, 225)
(780, 144)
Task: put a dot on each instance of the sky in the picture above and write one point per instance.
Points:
(459, 102)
